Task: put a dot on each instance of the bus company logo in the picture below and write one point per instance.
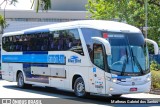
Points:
(74, 59)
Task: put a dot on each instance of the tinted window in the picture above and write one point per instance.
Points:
(88, 34)
(136, 39)
(29, 42)
(62, 40)
(66, 40)
(98, 56)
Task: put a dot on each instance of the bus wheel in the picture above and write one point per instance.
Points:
(79, 87)
(117, 95)
(20, 81)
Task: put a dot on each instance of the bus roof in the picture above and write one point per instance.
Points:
(96, 24)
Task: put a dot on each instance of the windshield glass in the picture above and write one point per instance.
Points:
(129, 53)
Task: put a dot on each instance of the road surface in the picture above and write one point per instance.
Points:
(10, 90)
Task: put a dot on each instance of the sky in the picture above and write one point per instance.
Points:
(21, 5)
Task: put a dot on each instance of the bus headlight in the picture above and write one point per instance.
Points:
(114, 80)
(111, 89)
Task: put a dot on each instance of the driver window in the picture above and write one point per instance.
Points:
(98, 55)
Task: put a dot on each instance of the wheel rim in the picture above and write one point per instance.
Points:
(20, 80)
(80, 88)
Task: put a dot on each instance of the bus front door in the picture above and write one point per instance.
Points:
(98, 70)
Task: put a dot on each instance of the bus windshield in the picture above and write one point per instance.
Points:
(129, 54)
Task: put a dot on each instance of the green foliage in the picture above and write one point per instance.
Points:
(155, 79)
(155, 71)
(130, 11)
(154, 66)
(2, 23)
(2, 19)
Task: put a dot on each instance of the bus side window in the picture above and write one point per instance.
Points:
(98, 56)
(88, 33)
(7, 43)
(61, 41)
(66, 40)
(74, 41)
(4, 42)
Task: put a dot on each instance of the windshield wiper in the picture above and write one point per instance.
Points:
(124, 67)
(125, 62)
(139, 66)
(136, 61)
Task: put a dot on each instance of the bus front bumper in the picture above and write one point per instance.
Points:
(115, 89)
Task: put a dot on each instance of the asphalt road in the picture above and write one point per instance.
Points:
(10, 90)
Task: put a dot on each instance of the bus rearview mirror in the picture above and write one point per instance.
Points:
(156, 49)
(105, 43)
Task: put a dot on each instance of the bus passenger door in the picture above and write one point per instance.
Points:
(98, 69)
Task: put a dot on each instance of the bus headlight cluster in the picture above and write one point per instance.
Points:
(111, 89)
(148, 78)
(114, 80)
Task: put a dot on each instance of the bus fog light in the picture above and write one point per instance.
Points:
(148, 78)
(114, 80)
(111, 89)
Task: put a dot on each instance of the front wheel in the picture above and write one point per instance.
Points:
(79, 87)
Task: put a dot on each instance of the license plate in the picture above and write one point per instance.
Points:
(133, 89)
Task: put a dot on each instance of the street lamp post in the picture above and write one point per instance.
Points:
(1, 32)
(1, 29)
(146, 19)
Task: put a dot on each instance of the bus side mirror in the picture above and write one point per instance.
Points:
(105, 43)
(156, 49)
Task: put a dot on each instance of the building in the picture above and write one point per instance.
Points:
(60, 11)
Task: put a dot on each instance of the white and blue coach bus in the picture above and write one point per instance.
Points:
(91, 56)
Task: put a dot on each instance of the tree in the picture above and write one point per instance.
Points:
(130, 11)
(2, 23)
(44, 4)
(2, 18)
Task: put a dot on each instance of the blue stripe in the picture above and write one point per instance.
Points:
(34, 58)
(36, 31)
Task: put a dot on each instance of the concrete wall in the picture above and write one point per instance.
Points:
(68, 5)
(50, 14)
(21, 25)
(24, 19)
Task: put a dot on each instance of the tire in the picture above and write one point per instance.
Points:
(79, 87)
(116, 95)
(20, 81)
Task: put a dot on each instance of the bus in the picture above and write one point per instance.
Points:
(87, 56)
